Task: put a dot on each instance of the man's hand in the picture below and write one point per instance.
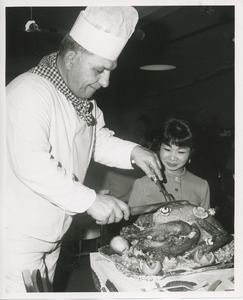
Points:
(107, 209)
(147, 160)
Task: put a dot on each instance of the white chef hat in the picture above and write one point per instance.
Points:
(105, 30)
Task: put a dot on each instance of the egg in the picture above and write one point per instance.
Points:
(119, 244)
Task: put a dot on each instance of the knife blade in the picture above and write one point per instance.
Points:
(143, 209)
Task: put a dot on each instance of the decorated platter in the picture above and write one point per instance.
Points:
(178, 239)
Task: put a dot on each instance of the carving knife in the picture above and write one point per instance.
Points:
(143, 209)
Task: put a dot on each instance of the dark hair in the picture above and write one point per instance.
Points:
(68, 43)
(177, 132)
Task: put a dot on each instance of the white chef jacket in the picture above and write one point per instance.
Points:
(49, 149)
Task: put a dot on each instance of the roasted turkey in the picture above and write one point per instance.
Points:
(175, 229)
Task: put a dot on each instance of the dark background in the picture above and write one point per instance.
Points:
(196, 39)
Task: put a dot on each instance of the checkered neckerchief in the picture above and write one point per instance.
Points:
(47, 68)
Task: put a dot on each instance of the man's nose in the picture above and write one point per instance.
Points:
(105, 78)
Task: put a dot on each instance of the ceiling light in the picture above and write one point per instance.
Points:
(31, 26)
(157, 67)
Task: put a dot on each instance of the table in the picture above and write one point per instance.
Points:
(108, 278)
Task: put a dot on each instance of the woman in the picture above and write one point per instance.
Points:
(176, 148)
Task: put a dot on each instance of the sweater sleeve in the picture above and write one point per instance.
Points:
(145, 192)
(137, 196)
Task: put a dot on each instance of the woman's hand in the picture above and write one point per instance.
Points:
(147, 160)
(107, 209)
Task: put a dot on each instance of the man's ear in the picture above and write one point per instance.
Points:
(70, 58)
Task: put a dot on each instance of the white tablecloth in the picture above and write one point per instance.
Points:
(109, 279)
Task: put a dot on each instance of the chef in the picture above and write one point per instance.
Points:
(54, 128)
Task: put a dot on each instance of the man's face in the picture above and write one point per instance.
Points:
(88, 73)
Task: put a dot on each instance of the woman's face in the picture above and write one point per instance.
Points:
(174, 158)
